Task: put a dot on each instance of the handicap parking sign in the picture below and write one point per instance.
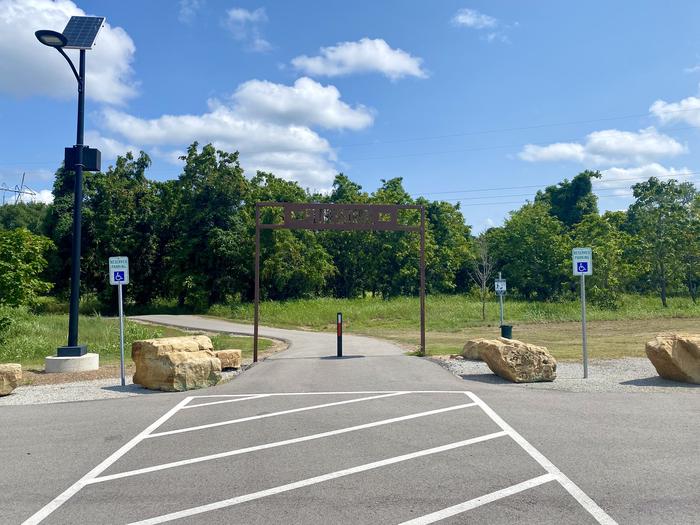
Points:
(118, 270)
(582, 259)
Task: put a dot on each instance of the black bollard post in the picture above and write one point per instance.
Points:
(340, 334)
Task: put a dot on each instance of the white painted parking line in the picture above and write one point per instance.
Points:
(75, 487)
(292, 441)
(481, 500)
(313, 481)
(273, 414)
(584, 500)
(236, 400)
(341, 393)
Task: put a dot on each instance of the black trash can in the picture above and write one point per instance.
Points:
(507, 331)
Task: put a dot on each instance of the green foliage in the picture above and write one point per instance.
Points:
(571, 201)
(531, 249)
(22, 260)
(191, 240)
(609, 243)
(662, 218)
(30, 215)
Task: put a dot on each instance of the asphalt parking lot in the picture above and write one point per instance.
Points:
(360, 457)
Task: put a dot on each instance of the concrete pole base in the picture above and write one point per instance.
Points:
(84, 363)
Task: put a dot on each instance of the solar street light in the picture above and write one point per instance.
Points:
(51, 38)
(80, 33)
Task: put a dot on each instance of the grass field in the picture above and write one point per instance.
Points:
(29, 337)
(451, 320)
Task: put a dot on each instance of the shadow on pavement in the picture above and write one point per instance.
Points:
(658, 381)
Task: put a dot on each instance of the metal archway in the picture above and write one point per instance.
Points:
(340, 217)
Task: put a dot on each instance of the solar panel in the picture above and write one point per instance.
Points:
(82, 30)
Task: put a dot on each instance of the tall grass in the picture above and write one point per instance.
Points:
(27, 337)
(444, 313)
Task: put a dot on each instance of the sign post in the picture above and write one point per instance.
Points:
(500, 287)
(582, 260)
(119, 276)
(339, 328)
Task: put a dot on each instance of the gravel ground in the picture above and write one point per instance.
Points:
(604, 375)
(84, 391)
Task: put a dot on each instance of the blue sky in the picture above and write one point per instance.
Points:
(481, 102)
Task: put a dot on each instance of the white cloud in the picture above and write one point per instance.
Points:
(687, 110)
(692, 69)
(270, 124)
(307, 103)
(620, 180)
(44, 196)
(244, 25)
(474, 19)
(29, 68)
(364, 56)
(188, 10)
(610, 146)
(109, 147)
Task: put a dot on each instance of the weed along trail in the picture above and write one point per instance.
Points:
(374, 436)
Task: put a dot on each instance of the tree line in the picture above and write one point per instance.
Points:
(191, 240)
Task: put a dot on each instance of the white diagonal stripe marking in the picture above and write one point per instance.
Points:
(481, 500)
(313, 481)
(292, 441)
(273, 414)
(584, 499)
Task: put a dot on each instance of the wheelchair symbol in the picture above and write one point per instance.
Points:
(582, 267)
(118, 277)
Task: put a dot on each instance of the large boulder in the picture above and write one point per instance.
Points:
(472, 349)
(517, 361)
(10, 376)
(174, 364)
(229, 358)
(676, 356)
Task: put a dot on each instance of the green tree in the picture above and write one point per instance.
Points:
(347, 249)
(571, 201)
(609, 245)
(205, 248)
(30, 215)
(659, 218)
(531, 250)
(294, 263)
(122, 210)
(22, 261)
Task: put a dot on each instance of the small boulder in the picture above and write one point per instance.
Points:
(676, 356)
(10, 376)
(175, 364)
(517, 361)
(472, 349)
(229, 358)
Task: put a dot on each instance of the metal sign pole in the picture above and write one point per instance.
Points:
(121, 331)
(340, 334)
(583, 326)
(500, 300)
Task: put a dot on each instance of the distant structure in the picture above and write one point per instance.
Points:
(19, 190)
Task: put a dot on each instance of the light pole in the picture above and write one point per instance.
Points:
(79, 34)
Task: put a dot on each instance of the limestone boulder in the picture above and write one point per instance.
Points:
(175, 364)
(10, 376)
(472, 349)
(229, 358)
(517, 361)
(676, 356)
